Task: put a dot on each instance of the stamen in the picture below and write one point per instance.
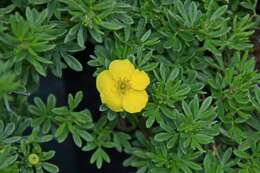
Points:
(123, 85)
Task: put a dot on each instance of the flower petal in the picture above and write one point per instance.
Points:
(121, 68)
(139, 80)
(105, 82)
(113, 102)
(108, 93)
(134, 101)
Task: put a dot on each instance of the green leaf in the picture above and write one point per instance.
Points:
(173, 43)
(160, 137)
(8, 161)
(184, 91)
(86, 135)
(103, 5)
(229, 72)
(163, 71)
(46, 126)
(89, 147)
(40, 47)
(12, 139)
(150, 121)
(77, 139)
(150, 66)
(227, 155)
(146, 35)
(96, 36)
(81, 38)
(186, 108)
(219, 12)
(171, 143)
(206, 104)
(42, 17)
(193, 13)
(72, 62)
(152, 41)
(78, 98)
(39, 103)
(146, 58)
(37, 66)
(194, 165)
(48, 155)
(111, 115)
(71, 34)
(203, 139)
(60, 110)
(51, 101)
(9, 129)
(112, 25)
(29, 15)
(208, 44)
(60, 130)
(242, 154)
(98, 157)
(220, 169)
(173, 75)
(182, 11)
(50, 167)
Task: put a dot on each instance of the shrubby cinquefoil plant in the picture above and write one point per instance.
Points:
(180, 73)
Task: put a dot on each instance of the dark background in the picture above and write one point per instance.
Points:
(70, 158)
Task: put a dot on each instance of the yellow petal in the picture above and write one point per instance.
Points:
(139, 80)
(121, 69)
(108, 92)
(105, 82)
(134, 101)
(112, 102)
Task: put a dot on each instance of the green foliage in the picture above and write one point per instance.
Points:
(65, 119)
(8, 80)
(204, 96)
(28, 39)
(96, 16)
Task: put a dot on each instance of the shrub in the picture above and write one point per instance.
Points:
(202, 113)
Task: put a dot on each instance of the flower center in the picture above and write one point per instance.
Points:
(34, 159)
(123, 85)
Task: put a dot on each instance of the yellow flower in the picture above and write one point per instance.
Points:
(122, 87)
(33, 159)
